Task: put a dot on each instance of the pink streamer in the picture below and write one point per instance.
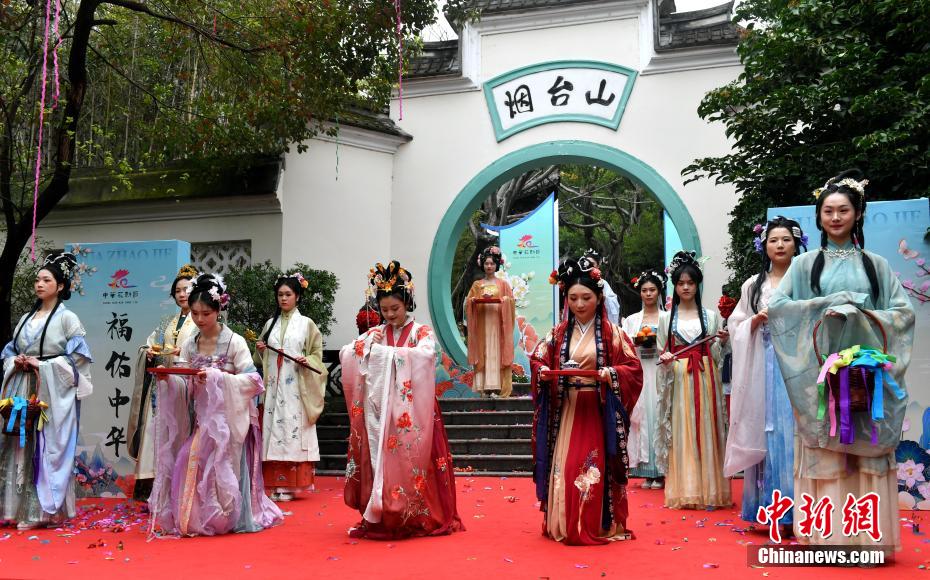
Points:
(400, 61)
(832, 406)
(38, 172)
(55, 48)
(827, 364)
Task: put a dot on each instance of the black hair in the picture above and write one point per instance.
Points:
(857, 200)
(60, 266)
(294, 284)
(657, 277)
(573, 272)
(685, 263)
(794, 228)
(494, 253)
(200, 292)
(393, 281)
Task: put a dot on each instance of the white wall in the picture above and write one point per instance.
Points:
(453, 138)
(338, 225)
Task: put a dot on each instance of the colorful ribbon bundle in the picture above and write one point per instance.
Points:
(839, 372)
(21, 413)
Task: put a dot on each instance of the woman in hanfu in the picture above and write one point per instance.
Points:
(293, 393)
(490, 327)
(643, 328)
(163, 345)
(208, 476)
(580, 424)
(837, 284)
(399, 473)
(37, 467)
(760, 442)
(692, 415)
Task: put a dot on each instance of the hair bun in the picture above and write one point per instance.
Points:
(64, 261)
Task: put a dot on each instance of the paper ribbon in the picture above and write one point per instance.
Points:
(20, 406)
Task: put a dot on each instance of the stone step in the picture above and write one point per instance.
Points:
(471, 432)
(474, 404)
(452, 418)
(490, 446)
(487, 418)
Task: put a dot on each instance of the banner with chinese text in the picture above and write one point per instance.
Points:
(531, 248)
(122, 295)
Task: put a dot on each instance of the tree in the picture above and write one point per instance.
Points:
(827, 85)
(144, 83)
(604, 211)
(253, 299)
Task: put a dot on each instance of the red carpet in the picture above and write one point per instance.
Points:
(503, 540)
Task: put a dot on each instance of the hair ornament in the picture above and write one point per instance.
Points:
(64, 261)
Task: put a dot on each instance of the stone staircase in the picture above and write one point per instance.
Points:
(487, 436)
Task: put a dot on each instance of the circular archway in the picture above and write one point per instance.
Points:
(474, 193)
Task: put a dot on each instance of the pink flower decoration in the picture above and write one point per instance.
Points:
(911, 473)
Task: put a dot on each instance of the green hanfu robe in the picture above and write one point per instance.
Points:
(824, 466)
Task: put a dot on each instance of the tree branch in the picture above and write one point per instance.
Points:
(142, 8)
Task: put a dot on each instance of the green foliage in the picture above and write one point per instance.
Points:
(253, 301)
(827, 85)
(23, 294)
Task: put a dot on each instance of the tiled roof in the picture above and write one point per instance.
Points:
(495, 6)
(436, 59)
(711, 26)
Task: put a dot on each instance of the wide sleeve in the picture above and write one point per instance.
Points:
(313, 385)
(665, 383)
(626, 371)
(746, 444)
(612, 304)
(77, 353)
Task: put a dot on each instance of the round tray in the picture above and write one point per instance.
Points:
(172, 371)
(571, 373)
(487, 300)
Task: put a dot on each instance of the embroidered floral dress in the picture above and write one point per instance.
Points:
(293, 403)
(208, 476)
(580, 432)
(399, 473)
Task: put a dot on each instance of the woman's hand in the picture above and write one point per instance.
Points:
(723, 335)
(666, 357)
(604, 374)
(761, 318)
(30, 363)
(541, 370)
(301, 360)
(835, 314)
(376, 335)
(261, 346)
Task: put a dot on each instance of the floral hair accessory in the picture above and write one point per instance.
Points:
(587, 266)
(554, 277)
(386, 280)
(857, 186)
(758, 228)
(64, 261)
(491, 252)
(300, 279)
(646, 275)
(684, 257)
(187, 271)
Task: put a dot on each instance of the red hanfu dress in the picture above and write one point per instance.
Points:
(580, 431)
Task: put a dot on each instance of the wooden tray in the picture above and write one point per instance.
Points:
(571, 373)
(173, 371)
(487, 300)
